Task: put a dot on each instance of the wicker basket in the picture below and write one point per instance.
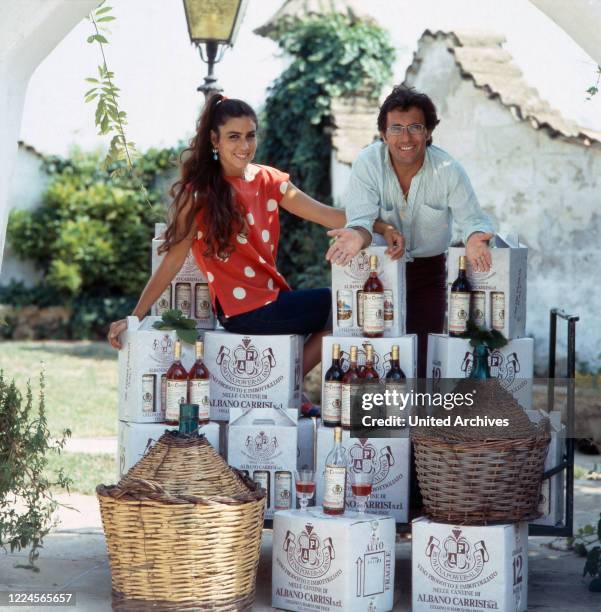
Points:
(183, 530)
(479, 476)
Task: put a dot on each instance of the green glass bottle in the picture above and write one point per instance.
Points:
(480, 369)
(188, 419)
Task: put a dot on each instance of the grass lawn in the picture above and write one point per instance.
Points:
(85, 469)
(80, 382)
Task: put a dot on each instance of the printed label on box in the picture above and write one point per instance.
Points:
(253, 371)
(325, 563)
(467, 568)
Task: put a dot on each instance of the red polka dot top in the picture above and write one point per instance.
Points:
(248, 278)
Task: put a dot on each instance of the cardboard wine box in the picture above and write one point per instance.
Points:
(512, 364)
(388, 458)
(146, 356)
(253, 371)
(347, 283)
(189, 290)
(552, 492)
(263, 442)
(504, 285)
(136, 438)
(331, 564)
(307, 438)
(469, 568)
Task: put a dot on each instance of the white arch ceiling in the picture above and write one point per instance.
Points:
(29, 30)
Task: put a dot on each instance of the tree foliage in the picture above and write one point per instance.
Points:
(332, 57)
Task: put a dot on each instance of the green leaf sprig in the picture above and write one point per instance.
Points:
(185, 329)
(586, 543)
(479, 336)
(109, 118)
(593, 90)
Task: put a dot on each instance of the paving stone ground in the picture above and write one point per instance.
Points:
(74, 558)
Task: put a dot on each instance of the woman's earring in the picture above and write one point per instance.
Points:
(215, 154)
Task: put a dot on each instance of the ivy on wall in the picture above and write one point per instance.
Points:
(332, 57)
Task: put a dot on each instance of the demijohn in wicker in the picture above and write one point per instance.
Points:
(183, 530)
(487, 474)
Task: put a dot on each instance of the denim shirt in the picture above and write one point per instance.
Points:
(440, 192)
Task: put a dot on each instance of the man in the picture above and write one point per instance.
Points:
(410, 191)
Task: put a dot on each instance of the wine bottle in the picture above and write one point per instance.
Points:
(283, 490)
(199, 384)
(188, 419)
(373, 302)
(164, 302)
(177, 386)
(183, 298)
(480, 369)
(148, 399)
(202, 302)
(478, 308)
(368, 373)
(335, 477)
(395, 381)
(497, 310)
(350, 382)
(459, 302)
(262, 478)
(332, 391)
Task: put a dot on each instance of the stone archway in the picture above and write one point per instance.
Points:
(29, 30)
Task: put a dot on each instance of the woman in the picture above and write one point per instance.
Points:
(226, 209)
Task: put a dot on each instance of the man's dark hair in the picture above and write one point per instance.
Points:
(403, 98)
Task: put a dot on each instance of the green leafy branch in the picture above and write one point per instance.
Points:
(586, 544)
(479, 336)
(185, 329)
(109, 119)
(594, 89)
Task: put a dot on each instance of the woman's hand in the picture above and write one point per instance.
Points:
(347, 244)
(114, 331)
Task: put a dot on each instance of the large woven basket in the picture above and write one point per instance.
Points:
(482, 475)
(183, 530)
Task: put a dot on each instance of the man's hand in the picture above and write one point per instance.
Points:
(348, 242)
(395, 241)
(478, 252)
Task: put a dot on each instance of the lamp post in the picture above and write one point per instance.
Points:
(213, 24)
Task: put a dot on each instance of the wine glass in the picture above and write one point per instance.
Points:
(305, 487)
(361, 484)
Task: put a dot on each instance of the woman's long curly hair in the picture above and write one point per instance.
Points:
(202, 180)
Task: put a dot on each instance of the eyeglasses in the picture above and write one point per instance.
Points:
(415, 129)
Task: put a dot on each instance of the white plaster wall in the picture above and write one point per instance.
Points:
(547, 190)
(29, 30)
(340, 174)
(27, 187)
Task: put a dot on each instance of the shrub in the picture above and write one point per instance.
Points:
(92, 232)
(26, 501)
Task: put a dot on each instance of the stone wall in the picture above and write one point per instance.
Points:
(545, 189)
